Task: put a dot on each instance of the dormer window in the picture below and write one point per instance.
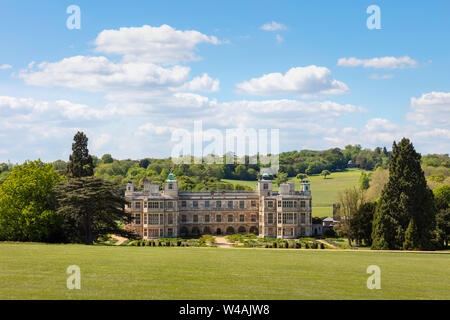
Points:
(266, 186)
(170, 186)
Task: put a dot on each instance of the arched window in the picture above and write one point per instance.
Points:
(195, 231)
(207, 230)
(254, 230)
(230, 230)
(242, 230)
(184, 231)
(218, 231)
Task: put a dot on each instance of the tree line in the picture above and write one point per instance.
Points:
(407, 215)
(40, 205)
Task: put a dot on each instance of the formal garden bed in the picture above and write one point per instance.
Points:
(238, 241)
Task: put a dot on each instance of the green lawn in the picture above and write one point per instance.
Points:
(324, 191)
(37, 271)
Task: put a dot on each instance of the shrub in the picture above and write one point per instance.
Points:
(322, 246)
(275, 245)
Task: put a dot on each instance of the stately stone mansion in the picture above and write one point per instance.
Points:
(173, 213)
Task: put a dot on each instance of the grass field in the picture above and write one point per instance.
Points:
(38, 271)
(324, 191)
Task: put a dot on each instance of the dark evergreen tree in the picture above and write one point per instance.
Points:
(91, 207)
(405, 196)
(412, 237)
(80, 162)
(443, 227)
(361, 223)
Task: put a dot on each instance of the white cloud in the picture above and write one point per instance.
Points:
(301, 80)
(430, 109)
(29, 110)
(162, 44)
(378, 124)
(151, 128)
(99, 73)
(101, 141)
(379, 63)
(273, 26)
(5, 66)
(204, 83)
(281, 107)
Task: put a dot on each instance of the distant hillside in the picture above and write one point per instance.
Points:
(324, 191)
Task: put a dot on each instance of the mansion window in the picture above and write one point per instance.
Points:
(195, 218)
(153, 233)
(183, 218)
(195, 204)
(207, 218)
(230, 218)
(288, 204)
(288, 232)
(253, 203)
(266, 186)
(170, 186)
(288, 218)
(302, 218)
(154, 219)
(241, 204)
(145, 204)
(219, 218)
(128, 205)
(154, 205)
(241, 218)
(302, 204)
(207, 204)
(270, 218)
(218, 204)
(253, 218)
(170, 205)
(270, 204)
(145, 218)
(170, 232)
(137, 205)
(183, 204)
(137, 218)
(170, 218)
(230, 204)
(145, 232)
(279, 203)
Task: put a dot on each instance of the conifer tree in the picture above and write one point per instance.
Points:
(405, 196)
(80, 162)
(411, 236)
(91, 207)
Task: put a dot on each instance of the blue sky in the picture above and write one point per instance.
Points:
(138, 70)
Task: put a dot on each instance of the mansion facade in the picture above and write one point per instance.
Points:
(172, 213)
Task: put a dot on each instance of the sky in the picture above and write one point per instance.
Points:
(135, 72)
